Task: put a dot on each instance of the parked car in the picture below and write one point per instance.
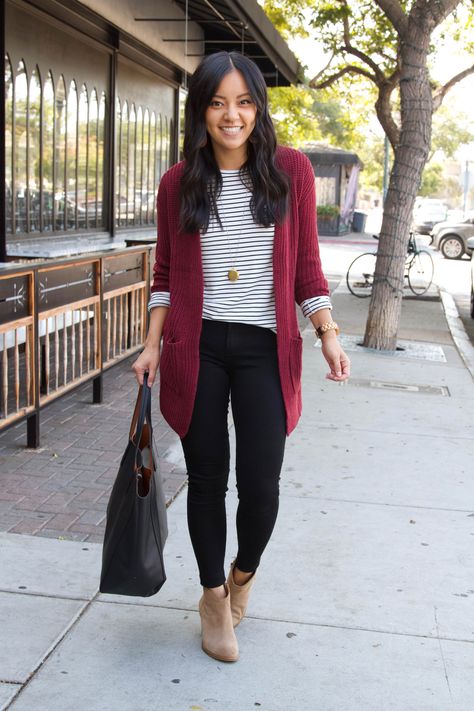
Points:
(470, 244)
(427, 213)
(451, 237)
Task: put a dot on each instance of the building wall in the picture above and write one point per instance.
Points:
(88, 133)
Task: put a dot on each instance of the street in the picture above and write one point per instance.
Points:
(451, 275)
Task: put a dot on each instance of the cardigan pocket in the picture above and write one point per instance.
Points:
(169, 364)
(296, 361)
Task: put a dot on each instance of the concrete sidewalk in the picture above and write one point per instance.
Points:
(364, 600)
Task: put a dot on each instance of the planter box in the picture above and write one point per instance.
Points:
(333, 226)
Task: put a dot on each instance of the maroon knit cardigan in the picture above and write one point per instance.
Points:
(297, 276)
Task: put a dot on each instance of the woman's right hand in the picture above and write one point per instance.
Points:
(148, 360)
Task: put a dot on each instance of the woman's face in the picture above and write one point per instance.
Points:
(230, 118)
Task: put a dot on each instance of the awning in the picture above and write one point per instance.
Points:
(242, 25)
(327, 155)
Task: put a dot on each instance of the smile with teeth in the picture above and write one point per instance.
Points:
(231, 130)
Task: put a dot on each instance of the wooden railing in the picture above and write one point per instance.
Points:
(62, 324)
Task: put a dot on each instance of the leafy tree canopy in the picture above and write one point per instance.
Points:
(392, 45)
(361, 40)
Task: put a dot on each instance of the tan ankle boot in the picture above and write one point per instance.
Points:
(239, 595)
(218, 636)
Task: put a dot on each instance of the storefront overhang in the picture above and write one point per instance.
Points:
(239, 25)
(330, 156)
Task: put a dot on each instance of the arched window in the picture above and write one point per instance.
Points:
(92, 164)
(132, 164)
(48, 154)
(82, 159)
(8, 143)
(146, 167)
(139, 167)
(122, 202)
(165, 145)
(34, 152)
(60, 111)
(20, 149)
(71, 158)
(160, 155)
(100, 162)
(152, 169)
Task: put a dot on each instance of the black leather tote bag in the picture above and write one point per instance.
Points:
(136, 524)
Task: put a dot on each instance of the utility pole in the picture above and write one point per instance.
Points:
(385, 168)
(466, 187)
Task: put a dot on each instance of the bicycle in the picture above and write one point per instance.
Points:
(419, 269)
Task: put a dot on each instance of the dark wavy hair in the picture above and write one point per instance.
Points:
(201, 181)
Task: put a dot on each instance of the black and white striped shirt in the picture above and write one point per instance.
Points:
(247, 247)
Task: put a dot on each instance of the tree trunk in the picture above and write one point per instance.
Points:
(411, 155)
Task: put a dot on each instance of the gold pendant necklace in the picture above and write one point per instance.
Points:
(233, 274)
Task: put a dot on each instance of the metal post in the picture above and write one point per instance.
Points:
(3, 216)
(110, 148)
(98, 389)
(385, 167)
(33, 430)
(466, 187)
(33, 420)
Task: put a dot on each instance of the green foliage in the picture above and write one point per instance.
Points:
(342, 115)
(288, 17)
(328, 212)
(291, 108)
(451, 130)
(374, 32)
(432, 180)
(370, 150)
(458, 28)
(303, 115)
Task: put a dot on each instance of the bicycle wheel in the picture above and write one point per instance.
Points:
(420, 272)
(360, 275)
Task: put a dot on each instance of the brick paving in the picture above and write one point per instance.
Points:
(61, 490)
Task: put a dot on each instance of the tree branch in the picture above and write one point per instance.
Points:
(383, 109)
(395, 13)
(439, 9)
(324, 69)
(439, 95)
(348, 69)
(350, 49)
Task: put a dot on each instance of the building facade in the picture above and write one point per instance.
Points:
(93, 92)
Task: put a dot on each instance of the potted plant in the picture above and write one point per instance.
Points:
(328, 212)
(328, 219)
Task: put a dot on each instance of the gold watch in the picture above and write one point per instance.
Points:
(328, 326)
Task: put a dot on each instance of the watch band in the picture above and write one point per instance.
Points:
(328, 326)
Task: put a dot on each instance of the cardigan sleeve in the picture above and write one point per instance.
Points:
(162, 252)
(310, 281)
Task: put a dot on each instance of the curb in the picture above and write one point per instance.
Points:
(458, 332)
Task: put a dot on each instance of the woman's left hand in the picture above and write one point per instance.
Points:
(337, 360)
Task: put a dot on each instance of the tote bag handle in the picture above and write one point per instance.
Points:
(141, 414)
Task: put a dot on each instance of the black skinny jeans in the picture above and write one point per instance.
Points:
(241, 360)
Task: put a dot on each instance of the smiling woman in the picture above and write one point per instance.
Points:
(237, 245)
(227, 126)
(230, 119)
